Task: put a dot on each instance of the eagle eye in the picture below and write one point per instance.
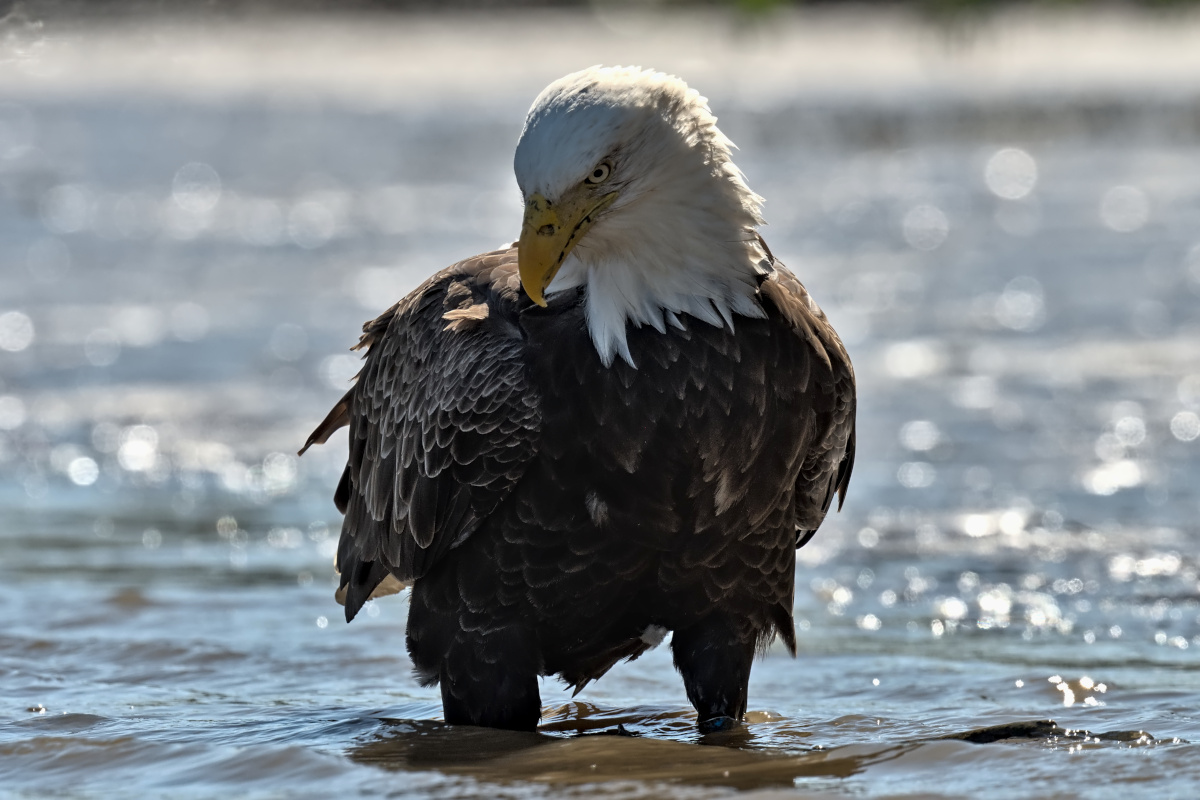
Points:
(599, 174)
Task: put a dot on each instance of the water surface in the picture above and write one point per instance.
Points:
(1009, 604)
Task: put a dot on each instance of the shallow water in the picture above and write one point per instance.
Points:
(182, 277)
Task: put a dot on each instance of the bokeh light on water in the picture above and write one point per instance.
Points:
(1011, 173)
(184, 276)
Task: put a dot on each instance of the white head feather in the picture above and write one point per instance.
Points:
(681, 236)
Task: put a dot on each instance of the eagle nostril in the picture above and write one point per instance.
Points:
(546, 230)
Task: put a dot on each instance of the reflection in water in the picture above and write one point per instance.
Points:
(505, 756)
(181, 277)
(590, 756)
(577, 717)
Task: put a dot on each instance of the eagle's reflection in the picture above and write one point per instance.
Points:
(589, 757)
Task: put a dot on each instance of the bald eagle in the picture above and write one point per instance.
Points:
(622, 425)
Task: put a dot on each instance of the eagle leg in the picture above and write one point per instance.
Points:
(488, 670)
(490, 695)
(714, 657)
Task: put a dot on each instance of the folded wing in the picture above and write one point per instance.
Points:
(442, 425)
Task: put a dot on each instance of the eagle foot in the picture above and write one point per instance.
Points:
(717, 725)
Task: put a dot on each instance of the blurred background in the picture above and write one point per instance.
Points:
(998, 206)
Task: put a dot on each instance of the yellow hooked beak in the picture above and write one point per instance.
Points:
(550, 232)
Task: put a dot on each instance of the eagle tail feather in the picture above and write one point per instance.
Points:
(781, 615)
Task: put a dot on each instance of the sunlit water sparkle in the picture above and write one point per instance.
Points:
(1019, 544)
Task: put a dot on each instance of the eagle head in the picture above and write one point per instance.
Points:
(630, 192)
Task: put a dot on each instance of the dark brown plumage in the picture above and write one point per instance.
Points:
(553, 514)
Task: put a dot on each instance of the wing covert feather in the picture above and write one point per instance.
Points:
(829, 459)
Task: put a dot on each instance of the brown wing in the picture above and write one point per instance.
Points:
(827, 465)
(442, 424)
